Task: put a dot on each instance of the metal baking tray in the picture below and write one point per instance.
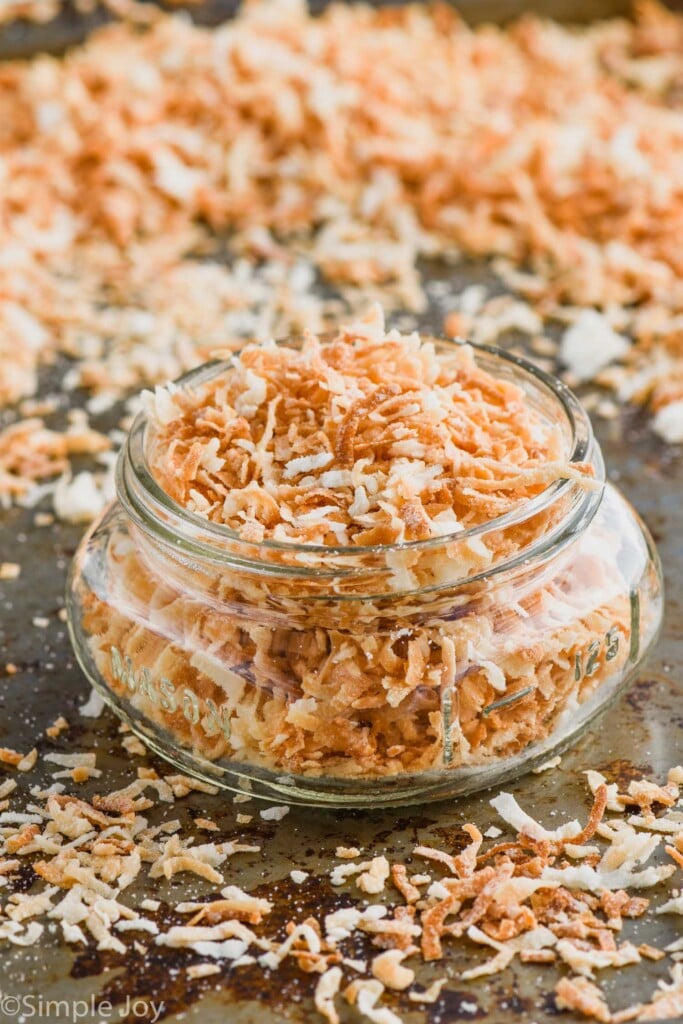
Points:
(642, 733)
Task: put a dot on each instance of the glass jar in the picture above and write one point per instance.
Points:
(367, 675)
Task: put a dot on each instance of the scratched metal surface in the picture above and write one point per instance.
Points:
(644, 731)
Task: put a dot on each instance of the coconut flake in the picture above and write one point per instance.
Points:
(513, 815)
(590, 344)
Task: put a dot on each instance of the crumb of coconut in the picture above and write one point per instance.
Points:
(298, 876)
(430, 994)
(607, 409)
(181, 785)
(28, 762)
(93, 707)
(274, 813)
(388, 968)
(7, 787)
(40, 621)
(372, 880)
(547, 765)
(10, 570)
(469, 1007)
(672, 906)
(59, 725)
(492, 832)
(325, 991)
(195, 971)
(590, 344)
(244, 819)
(365, 995)
(206, 824)
(651, 952)
(134, 745)
(79, 499)
(582, 995)
(668, 422)
(347, 852)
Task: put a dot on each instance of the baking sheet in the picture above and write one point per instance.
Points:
(642, 733)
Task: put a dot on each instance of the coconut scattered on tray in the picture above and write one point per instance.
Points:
(321, 149)
(536, 895)
(316, 148)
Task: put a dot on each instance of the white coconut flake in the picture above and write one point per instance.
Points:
(306, 463)
(202, 970)
(93, 707)
(159, 404)
(274, 813)
(372, 881)
(340, 872)
(547, 765)
(668, 422)
(593, 880)
(672, 906)
(590, 344)
(72, 760)
(586, 961)
(520, 821)
(325, 991)
(78, 500)
(340, 924)
(138, 924)
(230, 949)
(431, 994)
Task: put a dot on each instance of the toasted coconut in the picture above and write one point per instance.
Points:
(235, 905)
(399, 877)
(11, 757)
(582, 996)
(347, 852)
(387, 967)
(372, 881)
(365, 995)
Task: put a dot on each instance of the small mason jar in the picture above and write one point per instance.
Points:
(367, 675)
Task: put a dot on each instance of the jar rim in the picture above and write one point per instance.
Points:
(152, 507)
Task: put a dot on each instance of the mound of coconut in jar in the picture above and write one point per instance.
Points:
(399, 582)
(371, 438)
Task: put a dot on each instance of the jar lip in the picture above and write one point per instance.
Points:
(152, 499)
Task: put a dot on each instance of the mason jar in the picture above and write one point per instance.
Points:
(373, 675)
